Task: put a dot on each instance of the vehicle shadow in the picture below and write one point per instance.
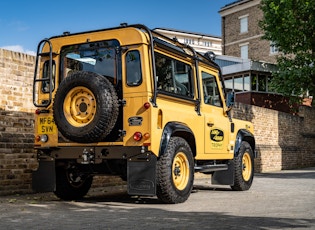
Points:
(305, 173)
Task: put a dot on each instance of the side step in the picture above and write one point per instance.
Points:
(223, 174)
(211, 168)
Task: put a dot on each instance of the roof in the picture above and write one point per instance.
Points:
(233, 3)
(187, 32)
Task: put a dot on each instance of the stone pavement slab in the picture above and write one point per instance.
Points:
(279, 200)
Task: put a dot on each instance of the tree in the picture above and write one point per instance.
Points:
(290, 25)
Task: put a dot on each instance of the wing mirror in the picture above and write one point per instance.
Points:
(230, 100)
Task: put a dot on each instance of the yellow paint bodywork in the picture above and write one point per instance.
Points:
(212, 121)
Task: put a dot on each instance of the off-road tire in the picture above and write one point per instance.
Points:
(85, 107)
(71, 186)
(175, 172)
(244, 168)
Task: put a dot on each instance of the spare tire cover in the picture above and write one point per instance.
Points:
(85, 107)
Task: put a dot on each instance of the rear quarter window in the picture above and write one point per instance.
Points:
(133, 68)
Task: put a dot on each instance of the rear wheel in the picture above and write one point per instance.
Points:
(175, 172)
(71, 184)
(244, 168)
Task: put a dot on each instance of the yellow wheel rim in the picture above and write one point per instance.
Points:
(79, 106)
(180, 171)
(246, 166)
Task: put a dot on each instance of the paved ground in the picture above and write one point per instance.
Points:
(281, 200)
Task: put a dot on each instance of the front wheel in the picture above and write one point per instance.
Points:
(244, 168)
(71, 184)
(175, 172)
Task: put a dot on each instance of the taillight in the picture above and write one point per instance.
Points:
(146, 136)
(146, 105)
(37, 138)
(43, 138)
(137, 136)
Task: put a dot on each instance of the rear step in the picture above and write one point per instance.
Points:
(211, 168)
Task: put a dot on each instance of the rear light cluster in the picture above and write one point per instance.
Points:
(43, 138)
(138, 136)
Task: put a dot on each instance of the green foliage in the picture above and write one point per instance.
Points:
(290, 25)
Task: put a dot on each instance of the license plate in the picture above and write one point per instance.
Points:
(46, 125)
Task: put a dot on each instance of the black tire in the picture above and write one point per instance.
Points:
(175, 172)
(244, 168)
(71, 184)
(85, 107)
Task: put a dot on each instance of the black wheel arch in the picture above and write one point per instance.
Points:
(180, 130)
(244, 135)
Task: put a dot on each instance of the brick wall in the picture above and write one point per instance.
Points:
(16, 78)
(17, 158)
(284, 141)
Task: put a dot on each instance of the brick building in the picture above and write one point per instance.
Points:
(248, 60)
(241, 34)
(202, 43)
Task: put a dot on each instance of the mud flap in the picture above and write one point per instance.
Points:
(225, 177)
(141, 176)
(44, 179)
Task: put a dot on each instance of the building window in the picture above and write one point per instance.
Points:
(238, 83)
(243, 24)
(207, 44)
(273, 48)
(229, 86)
(246, 82)
(244, 51)
(210, 90)
(260, 82)
(189, 41)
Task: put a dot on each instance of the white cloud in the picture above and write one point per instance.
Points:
(18, 48)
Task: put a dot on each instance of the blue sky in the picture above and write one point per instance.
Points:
(24, 23)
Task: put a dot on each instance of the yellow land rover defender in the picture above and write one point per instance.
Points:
(129, 101)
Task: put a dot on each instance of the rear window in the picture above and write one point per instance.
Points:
(100, 57)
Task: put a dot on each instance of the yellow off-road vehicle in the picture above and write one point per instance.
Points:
(129, 101)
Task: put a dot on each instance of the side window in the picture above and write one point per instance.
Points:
(133, 68)
(210, 90)
(45, 84)
(173, 76)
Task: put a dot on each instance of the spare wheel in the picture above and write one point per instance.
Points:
(85, 107)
